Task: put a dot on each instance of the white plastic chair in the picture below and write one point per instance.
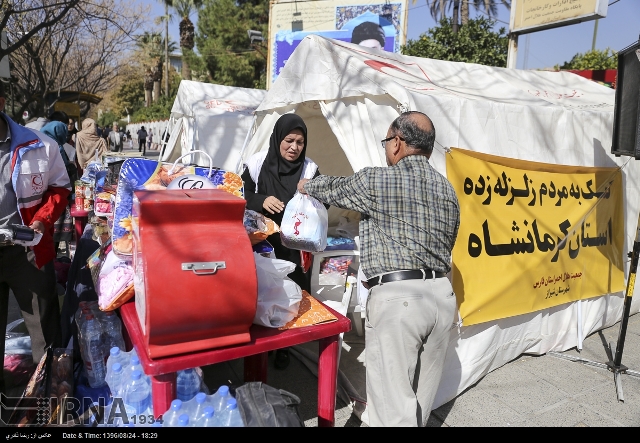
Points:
(343, 306)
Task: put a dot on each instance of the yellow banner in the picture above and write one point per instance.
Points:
(533, 235)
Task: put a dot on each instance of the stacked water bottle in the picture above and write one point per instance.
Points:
(106, 362)
(127, 381)
(197, 409)
(98, 332)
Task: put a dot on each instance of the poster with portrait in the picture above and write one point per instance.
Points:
(375, 25)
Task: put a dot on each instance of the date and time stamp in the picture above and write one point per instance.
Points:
(107, 435)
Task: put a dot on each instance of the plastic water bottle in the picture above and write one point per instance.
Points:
(220, 398)
(112, 327)
(188, 384)
(134, 365)
(80, 314)
(183, 421)
(198, 405)
(93, 352)
(207, 420)
(115, 380)
(137, 394)
(230, 417)
(116, 356)
(170, 418)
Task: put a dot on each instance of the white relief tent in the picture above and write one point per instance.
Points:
(348, 96)
(212, 118)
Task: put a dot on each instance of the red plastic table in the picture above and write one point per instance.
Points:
(80, 218)
(162, 371)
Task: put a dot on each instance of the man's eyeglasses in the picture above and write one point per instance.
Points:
(384, 142)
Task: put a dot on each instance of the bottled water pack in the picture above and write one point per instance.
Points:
(217, 410)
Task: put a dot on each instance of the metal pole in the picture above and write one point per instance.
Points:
(617, 360)
(512, 54)
(595, 34)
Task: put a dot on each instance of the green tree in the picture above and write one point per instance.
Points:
(438, 8)
(476, 42)
(160, 109)
(108, 119)
(184, 8)
(223, 43)
(596, 59)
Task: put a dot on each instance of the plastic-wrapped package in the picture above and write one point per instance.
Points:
(258, 226)
(90, 172)
(304, 224)
(340, 244)
(115, 282)
(333, 270)
(18, 363)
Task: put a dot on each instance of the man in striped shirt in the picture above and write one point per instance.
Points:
(410, 220)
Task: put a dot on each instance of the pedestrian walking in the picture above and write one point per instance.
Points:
(142, 140)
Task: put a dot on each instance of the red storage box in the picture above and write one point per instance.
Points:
(195, 275)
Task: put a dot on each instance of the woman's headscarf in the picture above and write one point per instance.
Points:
(57, 131)
(279, 177)
(88, 143)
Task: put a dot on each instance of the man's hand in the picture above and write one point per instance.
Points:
(37, 226)
(301, 184)
(273, 205)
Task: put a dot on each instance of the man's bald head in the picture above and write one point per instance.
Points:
(417, 130)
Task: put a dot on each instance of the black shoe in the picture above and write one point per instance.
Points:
(282, 359)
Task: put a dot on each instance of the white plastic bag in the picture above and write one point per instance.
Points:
(304, 224)
(278, 296)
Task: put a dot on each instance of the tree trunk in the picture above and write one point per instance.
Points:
(186, 43)
(148, 87)
(456, 7)
(166, 49)
(464, 12)
(186, 71)
(156, 74)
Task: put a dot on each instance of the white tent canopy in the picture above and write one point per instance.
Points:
(212, 118)
(349, 95)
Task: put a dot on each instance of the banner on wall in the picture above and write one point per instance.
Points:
(380, 25)
(533, 235)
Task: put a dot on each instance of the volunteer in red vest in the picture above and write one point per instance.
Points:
(34, 187)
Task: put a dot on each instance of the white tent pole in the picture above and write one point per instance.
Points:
(580, 337)
(244, 146)
(512, 52)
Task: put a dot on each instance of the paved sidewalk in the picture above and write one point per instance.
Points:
(529, 391)
(550, 391)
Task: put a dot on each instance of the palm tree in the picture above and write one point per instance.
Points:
(438, 8)
(151, 44)
(167, 4)
(184, 8)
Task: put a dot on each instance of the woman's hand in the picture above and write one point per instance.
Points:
(273, 205)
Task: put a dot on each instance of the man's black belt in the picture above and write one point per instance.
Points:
(416, 274)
